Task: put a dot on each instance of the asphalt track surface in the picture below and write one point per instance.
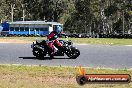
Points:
(91, 56)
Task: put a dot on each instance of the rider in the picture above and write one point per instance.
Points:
(52, 37)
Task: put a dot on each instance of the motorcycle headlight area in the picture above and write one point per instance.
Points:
(36, 46)
(33, 46)
(70, 43)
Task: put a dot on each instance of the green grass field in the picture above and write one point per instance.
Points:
(108, 41)
(19, 76)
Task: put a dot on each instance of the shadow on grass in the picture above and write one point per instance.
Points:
(45, 58)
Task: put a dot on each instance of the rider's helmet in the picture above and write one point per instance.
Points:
(58, 29)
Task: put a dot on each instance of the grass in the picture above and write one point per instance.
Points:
(107, 41)
(20, 76)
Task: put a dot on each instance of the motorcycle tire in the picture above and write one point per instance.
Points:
(74, 53)
(38, 53)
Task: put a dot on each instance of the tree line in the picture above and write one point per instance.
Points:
(78, 16)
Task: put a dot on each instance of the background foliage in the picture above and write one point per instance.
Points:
(81, 16)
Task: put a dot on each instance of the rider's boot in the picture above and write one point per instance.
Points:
(51, 54)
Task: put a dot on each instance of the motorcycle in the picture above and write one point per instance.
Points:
(40, 49)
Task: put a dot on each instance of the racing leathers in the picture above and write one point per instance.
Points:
(53, 38)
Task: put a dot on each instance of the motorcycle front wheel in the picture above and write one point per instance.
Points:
(74, 53)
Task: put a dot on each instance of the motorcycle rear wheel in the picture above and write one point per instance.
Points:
(38, 53)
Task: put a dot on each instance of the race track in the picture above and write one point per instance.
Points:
(91, 56)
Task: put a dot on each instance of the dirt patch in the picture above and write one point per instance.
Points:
(14, 78)
(14, 41)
